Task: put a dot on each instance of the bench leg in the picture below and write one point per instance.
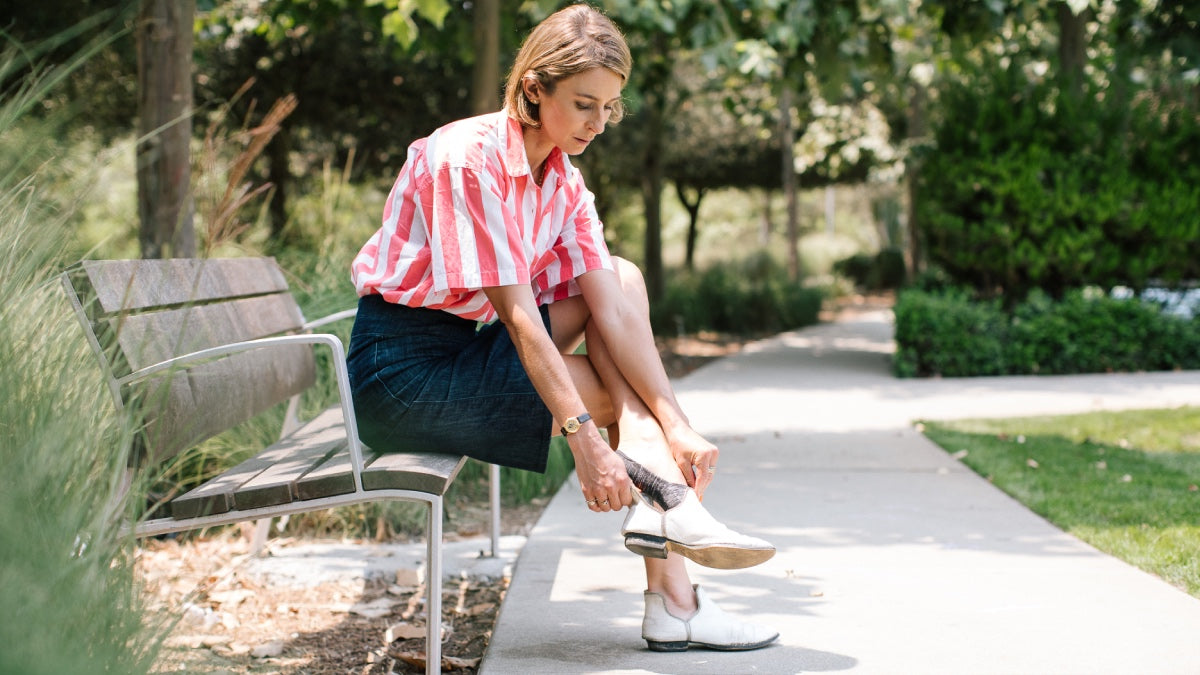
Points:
(494, 494)
(433, 586)
(262, 530)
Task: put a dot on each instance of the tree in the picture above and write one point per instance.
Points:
(803, 48)
(485, 76)
(164, 36)
(369, 76)
(364, 87)
(720, 141)
(659, 34)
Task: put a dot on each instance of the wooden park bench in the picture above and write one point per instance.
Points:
(195, 347)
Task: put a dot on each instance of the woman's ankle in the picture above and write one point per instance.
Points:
(681, 602)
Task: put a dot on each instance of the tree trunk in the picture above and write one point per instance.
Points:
(279, 174)
(918, 128)
(693, 209)
(1072, 46)
(652, 184)
(654, 109)
(787, 137)
(830, 209)
(485, 75)
(765, 227)
(164, 56)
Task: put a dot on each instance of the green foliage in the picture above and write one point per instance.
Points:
(747, 298)
(1125, 482)
(1030, 187)
(66, 571)
(948, 333)
(885, 269)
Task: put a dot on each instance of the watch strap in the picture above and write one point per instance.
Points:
(573, 424)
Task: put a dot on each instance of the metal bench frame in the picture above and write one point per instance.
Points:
(433, 498)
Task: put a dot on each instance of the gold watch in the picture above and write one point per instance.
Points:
(573, 424)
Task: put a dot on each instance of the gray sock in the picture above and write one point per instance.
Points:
(665, 494)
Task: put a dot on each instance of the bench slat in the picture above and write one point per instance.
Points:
(216, 496)
(147, 339)
(430, 472)
(334, 476)
(312, 463)
(305, 450)
(134, 285)
(186, 407)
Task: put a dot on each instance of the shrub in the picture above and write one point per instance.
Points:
(747, 298)
(1028, 187)
(885, 269)
(856, 268)
(947, 333)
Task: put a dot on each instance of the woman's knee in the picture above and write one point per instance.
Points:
(632, 281)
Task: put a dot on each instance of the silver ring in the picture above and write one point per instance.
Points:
(591, 502)
(712, 469)
(605, 502)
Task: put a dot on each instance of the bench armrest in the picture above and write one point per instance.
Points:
(337, 316)
(341, 373)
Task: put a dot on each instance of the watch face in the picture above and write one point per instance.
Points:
(572, 425)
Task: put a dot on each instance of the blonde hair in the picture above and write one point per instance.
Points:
(566, 43)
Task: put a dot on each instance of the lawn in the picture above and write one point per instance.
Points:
(1127, 483)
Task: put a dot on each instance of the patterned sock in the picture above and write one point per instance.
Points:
(666, 494)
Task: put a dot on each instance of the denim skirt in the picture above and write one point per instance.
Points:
(426, 380)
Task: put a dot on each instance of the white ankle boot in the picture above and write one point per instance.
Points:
(690, 530)
(708, 627)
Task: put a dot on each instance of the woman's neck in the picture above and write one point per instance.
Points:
(537, 150)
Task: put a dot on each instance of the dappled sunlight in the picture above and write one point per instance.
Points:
(822, 344)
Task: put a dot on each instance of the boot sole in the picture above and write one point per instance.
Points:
(716, 557)
(682, 645)
(647, 546)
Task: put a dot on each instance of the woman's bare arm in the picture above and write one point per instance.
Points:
(601, 472)
(620, 314)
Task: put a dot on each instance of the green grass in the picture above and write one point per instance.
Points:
(67, 588)
(1127, 483)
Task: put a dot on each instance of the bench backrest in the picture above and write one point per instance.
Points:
(141, 312)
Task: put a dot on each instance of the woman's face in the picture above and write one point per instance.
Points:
(579, 108)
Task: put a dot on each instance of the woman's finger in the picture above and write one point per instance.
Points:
(685, 467)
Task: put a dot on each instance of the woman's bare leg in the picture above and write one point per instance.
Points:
(635, 431)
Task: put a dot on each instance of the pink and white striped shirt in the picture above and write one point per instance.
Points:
(465, 214)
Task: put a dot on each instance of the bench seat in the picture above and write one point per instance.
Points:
(309, 465)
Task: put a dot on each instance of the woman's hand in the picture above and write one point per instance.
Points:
(695, 456)
(606, 485)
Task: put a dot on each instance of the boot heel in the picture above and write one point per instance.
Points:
(655, 646)
(647, 546)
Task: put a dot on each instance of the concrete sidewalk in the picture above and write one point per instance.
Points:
(893, 557)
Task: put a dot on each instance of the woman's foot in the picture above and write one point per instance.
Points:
(690, 530)
(709, 627)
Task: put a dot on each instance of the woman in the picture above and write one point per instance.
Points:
(488, 220)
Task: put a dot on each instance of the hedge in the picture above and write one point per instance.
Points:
(948, 333)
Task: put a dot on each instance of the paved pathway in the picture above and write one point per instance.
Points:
(893, 557)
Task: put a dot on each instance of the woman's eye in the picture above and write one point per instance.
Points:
(583, 106)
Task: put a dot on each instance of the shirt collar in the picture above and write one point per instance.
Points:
(516, 162)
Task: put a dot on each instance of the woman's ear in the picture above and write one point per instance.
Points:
(531, 88)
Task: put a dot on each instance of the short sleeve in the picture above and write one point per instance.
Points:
(580, 247)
